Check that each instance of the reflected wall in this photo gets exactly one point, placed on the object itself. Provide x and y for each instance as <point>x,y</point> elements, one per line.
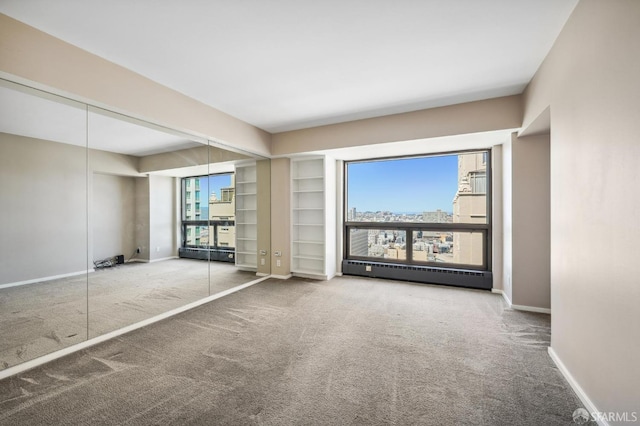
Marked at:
<point>43,223</point>
<point>91,222</point>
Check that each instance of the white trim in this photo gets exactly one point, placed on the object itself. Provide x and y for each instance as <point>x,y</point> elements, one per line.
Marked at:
<point>281,277</point>
<point>262,274</point>
<point>28,365</point>
<point>588,404</point>
<point>531,309</point>
<point>520,307</point>
<point>504,295</point>
<point>51,278</point>
<point>163,259</point>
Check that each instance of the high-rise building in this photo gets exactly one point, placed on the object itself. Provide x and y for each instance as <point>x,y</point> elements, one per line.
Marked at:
<point>224,209</point>
<point>470,206</point>
<point>359,242</point>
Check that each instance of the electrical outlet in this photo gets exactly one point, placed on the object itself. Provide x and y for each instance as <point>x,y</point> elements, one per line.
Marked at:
<point>157,249</point>
<point>278,263</point>
<point>262,261</point>
<point>367,268</point>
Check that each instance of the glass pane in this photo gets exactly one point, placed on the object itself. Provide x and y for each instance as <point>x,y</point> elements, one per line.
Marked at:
<point>43,225</point>
<point>437,189</point>
<point>378,243</point>
<point>460,248</point>
<point>135,178</point>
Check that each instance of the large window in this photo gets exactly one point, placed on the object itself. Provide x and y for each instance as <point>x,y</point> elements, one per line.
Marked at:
<point>430,210</point>
<point>208,212</point>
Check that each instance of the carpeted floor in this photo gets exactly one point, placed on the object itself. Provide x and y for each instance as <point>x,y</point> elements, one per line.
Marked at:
<point>351,351</point>
<point>40,318</point>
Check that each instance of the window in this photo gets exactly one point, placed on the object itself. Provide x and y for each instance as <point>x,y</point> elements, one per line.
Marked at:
<point>429,210</point>
<point>208,212</point>
<point>478,181</point>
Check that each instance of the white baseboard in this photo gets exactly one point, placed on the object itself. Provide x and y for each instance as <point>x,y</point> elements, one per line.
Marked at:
<point>588,404</point>
<point>28,365</point>
<point>163,259</point>
<point>531,309</point>
<point>520,307</point>
<point>44,279</point>
<point>280,277</point>
<point>262,274</point>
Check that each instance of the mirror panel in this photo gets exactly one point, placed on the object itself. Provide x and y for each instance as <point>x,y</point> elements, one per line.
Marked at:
<point>43,220</point>
<point>108,221</point>
<point>134,222</point>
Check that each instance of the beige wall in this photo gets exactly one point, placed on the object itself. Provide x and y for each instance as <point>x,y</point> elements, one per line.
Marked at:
<point>34,57</point>
<point>507,221</point>
<point>40,235</point>
<point>280,222</point>
<point>162,220</point>
<point>263,179</point>
<point>187,157</point>
<point>60,212</point>
<point>590,81</point>
<point>471,117</point>
<point>530,246</point>
<point>497,252</point>
<point>113,216</point>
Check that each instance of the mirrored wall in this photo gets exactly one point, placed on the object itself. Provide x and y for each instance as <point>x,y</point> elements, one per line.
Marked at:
<point>99,215</point>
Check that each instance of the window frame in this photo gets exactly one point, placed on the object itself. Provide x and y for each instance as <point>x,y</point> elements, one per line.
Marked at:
<point>208,223</point>
<point>409,227</point>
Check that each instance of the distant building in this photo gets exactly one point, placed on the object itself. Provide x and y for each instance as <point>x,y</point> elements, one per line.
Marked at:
<point>351,214</point>
<point>359,242</point>
<point>437,216</point>
<point>195,235</point>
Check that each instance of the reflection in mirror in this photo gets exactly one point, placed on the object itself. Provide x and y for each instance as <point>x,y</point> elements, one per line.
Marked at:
<point>43,220</point>
<point>161,209</point>
<point>108,221</point>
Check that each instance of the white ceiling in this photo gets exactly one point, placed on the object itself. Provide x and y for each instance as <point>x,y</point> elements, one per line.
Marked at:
<point>290,64</point>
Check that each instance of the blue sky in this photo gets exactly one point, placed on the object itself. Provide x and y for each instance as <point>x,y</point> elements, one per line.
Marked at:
<point>411,185</point>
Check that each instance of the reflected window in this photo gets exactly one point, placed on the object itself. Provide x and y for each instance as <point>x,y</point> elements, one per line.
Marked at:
<point>208,216</point>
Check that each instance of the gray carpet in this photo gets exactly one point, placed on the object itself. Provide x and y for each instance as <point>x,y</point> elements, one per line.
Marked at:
<point>349,351</point>
<point>41,318</point>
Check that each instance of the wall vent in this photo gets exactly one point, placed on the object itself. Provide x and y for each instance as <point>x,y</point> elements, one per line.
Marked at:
<point>422,274</point>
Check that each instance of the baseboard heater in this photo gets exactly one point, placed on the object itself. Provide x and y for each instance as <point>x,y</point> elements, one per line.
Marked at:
<point>220,255</point>
<point>422,274</point>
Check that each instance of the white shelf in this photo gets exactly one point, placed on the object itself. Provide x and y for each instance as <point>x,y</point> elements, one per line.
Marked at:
<point>308,177</point>
<point>307,257</point>
<point>246,231</point>
<point>312,216</point>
